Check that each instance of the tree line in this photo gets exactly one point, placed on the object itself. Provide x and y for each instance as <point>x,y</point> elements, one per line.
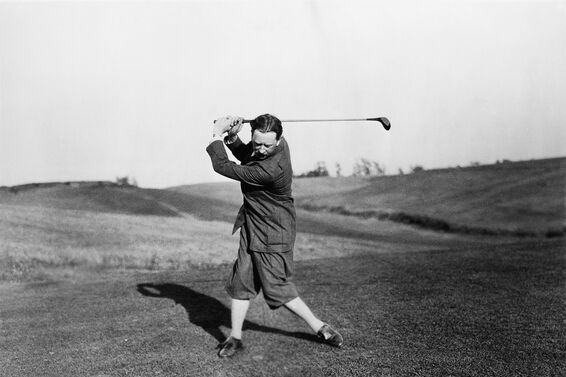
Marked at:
<point>362,168</point>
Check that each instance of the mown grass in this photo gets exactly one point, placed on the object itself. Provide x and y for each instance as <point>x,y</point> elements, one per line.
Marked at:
<point>488,311</point>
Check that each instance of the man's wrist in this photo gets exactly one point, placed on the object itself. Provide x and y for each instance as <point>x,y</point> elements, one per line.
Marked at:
<point>214,138</point>
<point>230,139</point>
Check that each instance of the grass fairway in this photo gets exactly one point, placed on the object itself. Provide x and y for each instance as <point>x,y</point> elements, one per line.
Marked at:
<point>483,311</point>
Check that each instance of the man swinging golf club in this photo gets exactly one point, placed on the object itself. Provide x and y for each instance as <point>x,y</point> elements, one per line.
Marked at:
<point>266,222</point>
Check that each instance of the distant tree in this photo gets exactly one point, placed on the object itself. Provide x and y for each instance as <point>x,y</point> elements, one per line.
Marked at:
<point>416,169</point>
<point>125,181</point>
<point>474,163</point>
<point>338,169</point>
<point>365,167</point>
<point>379,170</point>
<point>319,171</point>
<point>361,168</point>
<point>401,171</point>
<point>122,181</point>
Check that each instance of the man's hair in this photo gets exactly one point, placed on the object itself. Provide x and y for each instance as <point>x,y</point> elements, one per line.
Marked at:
<point>266,123</point>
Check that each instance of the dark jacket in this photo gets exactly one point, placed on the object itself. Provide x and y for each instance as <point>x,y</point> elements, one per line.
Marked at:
<point>268,210</point>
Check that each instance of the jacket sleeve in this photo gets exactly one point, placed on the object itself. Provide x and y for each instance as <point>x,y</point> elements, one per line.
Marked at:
<point>240,150</point>
<point>255,175</point>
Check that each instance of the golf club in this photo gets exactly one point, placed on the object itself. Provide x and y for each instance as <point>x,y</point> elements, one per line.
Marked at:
<point>383,120</point>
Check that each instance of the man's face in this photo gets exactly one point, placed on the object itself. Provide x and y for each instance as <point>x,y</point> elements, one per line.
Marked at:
<point>264,143</point>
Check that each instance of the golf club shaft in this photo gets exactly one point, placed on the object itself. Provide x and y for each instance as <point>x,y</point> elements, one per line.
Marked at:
<point>383,120</point>
<point>320,120</point>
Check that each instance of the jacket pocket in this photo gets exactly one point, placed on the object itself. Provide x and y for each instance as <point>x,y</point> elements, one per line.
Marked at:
<point>280,235</point>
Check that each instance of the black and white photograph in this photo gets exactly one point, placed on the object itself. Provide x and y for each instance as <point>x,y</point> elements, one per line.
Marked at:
<point>271,188</point>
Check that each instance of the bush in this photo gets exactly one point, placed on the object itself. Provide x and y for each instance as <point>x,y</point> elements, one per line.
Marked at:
<point>365,167</point>
<point>416,169</point>
<point>125,181</point>
<point>319,171</point>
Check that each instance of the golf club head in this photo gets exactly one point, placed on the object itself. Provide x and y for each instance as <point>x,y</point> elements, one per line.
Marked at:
<point>384,122</point>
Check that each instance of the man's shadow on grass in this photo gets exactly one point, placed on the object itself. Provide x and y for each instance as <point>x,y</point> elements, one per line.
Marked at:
<point>207,312</point>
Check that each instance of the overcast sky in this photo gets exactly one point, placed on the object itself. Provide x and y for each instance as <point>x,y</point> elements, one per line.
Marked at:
<point>96,90</point>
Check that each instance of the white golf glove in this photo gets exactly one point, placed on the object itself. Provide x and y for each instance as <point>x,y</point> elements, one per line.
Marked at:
<point>235,128</point>
<point>221,125</point>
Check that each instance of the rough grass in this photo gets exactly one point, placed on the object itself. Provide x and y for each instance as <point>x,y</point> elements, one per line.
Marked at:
<point>39,243</point>
<point>36,240</point>
<point>427,222</point>
<point>489,311</point>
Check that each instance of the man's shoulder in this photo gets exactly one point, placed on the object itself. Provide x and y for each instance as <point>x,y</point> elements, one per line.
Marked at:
<point>281,160</point>
<point>282,151</point>
<point>284,143</point>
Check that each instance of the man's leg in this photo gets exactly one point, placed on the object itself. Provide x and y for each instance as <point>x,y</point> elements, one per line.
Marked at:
<point>241,286</point>
<point>322,330</point>
<point>301,309</point>
<point>234,342</point>
<point>238,315</point>
<point>274,271</point>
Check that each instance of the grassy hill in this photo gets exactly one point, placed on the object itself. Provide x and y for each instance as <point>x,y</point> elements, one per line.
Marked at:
<point>518,198</point>
<point>523,195</point>
<point>112,198</point>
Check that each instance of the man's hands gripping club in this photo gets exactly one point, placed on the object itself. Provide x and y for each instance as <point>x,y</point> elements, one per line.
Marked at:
<point>229,124</point>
